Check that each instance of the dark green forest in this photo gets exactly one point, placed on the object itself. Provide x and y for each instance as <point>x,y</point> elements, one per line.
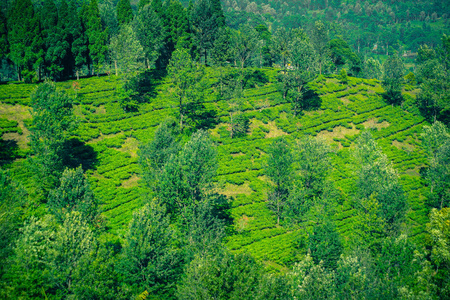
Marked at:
<point>167,149</point>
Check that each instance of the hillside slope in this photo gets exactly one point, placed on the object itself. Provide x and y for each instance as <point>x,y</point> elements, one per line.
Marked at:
<point>107,140</point>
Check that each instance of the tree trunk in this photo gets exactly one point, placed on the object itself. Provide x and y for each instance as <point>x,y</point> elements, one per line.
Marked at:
<point>115,66</point>
<point>78,74</point>
<point>148,63</point>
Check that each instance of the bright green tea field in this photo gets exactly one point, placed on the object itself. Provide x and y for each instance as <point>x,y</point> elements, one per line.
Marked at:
<point>107,143</point>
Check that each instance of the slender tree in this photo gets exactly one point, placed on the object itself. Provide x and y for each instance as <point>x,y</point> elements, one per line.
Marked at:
<point>52,122</point>
<point>186,76</point>
<point>124,12</point>
<point>24,38</point>
<point>279,170</point>
<point>150,31</point>
<point>96,35</point>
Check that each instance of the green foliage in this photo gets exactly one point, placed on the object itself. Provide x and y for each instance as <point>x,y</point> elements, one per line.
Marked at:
<point>150,32</point>
<point>436,140</point>
<point>186,76</point>
<point>154,155</point>
<point>279,170</point>
<point>149,258</point>
<point>24,37</point>
<point>124,12</point>
<point>52,122</point>
<point>73,194</point>
<point>126,51</point>
<point>325,244</point>
<point>393,71</point>
<point>186,178</point>
<point>220,276</point>
<point>376,176</point>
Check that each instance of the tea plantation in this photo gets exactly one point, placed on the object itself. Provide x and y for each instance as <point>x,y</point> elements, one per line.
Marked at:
<point>106,142</point>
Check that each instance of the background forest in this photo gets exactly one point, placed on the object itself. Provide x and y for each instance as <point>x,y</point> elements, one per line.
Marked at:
<point>224,150</point>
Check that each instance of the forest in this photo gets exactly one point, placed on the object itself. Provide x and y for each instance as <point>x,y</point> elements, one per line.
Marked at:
<point>208,149</point>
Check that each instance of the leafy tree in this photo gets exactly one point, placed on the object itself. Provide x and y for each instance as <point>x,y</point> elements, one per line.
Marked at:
<point>28,273</point>
<point>12,197</point>
<point>311,281</point>
<point>96,36</point>
<point>73,194</point>
<point>77,32</point>
<point>325,244</point>
<point>55,40</point>
<point>319,40</point>
<point>352,278</point>
<point>24,38</point>
<point>393,70</point>
<point>206,18</point>
<point>124,12</point>
<point>372,68</point>
<point>154,155</point>
<point>342,56</point>
<point>279,170</point>
<point>3,36</point>
<point>314,164</point>
<point>72,243</point>
<point>126,51</point>
<point>376,176</point>
<point>150,31</point>
<point>186,76</point>
<point>52,122</point>
<point>221,51</point>
<point>244,44</point>
<point>186,178</point>
<point>150,260</point>
<point>220,275</point>
<point>432,73</point>
<point>440,241</point>
<point>303,63</point>
<point>281,40</point>
<point>436,141</point>
<point>369,228</point>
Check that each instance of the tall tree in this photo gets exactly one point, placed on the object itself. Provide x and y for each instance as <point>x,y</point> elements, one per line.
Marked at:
<point>377,176</point>
<point>55,39</point>
<point>436,141</point>
<point>244,44</point>
<point>124,12</point>
<point>186,76</point>
<point>433,71</point>
<point>319,39</point>
<point>150,260</point>
<point>96,35</point>
<point>3,35</point>
<point>220,275</point>
<point>150,31</point>
<point>52,122</point>
<point>279,170</point>
<point>303,69</point>
<point>393,71</point>
<point>187,178</point>
<point>73,194</point>
<point>206,20</point>
<point>155,154</point>
<point>77,32</point>
<point>126,51</point>
<point>24,38</point>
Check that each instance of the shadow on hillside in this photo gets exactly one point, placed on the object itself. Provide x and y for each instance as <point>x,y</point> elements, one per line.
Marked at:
<point>311,100</point>
<point>200,118</point>
<point>80,154</point>
<point>8,151</point>
<point>146,82</point>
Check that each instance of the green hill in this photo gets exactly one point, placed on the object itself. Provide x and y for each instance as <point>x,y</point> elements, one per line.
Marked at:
<point>107,142</point>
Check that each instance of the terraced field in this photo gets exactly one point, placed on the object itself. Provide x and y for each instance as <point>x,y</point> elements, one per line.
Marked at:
<point>107,141</point>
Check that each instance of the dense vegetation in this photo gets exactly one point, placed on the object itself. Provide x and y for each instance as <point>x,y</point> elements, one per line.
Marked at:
<point>243,153</point>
